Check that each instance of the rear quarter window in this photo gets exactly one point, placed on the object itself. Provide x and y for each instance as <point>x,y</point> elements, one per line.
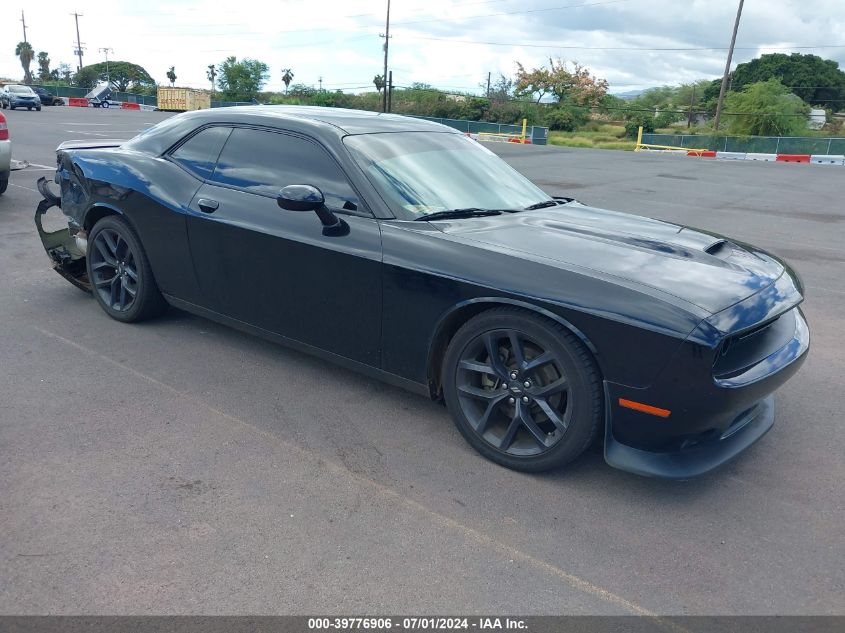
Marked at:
<point>199,153</point>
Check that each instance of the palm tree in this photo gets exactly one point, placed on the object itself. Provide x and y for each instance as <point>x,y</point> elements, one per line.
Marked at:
<point>287,77</point>
<point>24,51</point>
<point>378,81</point>
<point>171,75</point>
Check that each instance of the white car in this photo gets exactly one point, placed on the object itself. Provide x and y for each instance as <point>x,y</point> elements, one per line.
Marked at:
<point>5,154</point>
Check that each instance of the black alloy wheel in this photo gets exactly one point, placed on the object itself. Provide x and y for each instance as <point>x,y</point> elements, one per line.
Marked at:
<point>119,272</point>
<point>523,390</point>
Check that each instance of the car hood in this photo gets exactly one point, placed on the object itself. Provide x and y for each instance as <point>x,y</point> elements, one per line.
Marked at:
<point>704,269</point>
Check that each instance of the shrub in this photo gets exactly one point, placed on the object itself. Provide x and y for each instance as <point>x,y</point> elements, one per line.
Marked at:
<point>566,119</point>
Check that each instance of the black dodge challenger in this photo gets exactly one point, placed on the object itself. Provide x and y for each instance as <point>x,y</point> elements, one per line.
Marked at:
<point>403,249</point>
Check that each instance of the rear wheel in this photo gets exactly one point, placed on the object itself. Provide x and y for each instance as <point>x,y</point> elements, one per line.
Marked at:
<point>38,108</point>
<point>120,274</point>
<point>4,182</point>
<point>522,390</point>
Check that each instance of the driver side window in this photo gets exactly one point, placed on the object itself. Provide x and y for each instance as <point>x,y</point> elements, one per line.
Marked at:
<point>264,162</point>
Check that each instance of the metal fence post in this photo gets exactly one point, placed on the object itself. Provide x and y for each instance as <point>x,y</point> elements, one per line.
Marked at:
<point>829,141</point>
<point>777,145</point>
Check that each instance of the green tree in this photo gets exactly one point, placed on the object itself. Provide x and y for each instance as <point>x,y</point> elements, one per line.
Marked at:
<point>25,53</point>
<point>287,77</point>
<point>171,75</point>
<point>766,108</point>
<point>242,80</point>
<point>501,89</point>
<point>815,80</point>
<point>124,76</point>
<point>378,82</point>
<point>211,73</point>
<point>44,73</point>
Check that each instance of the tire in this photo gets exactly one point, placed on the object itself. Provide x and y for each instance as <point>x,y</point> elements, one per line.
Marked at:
<point>38,109</point>
<point>115,255</point>
<point>11,107</point>
<point>4,184</point>
<point>29,108</point>
<point>534,409</point>
<point>105,104</point>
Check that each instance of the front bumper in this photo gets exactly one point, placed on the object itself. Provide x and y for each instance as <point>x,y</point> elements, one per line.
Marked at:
<point>713,419</point>
<point>17,102</point>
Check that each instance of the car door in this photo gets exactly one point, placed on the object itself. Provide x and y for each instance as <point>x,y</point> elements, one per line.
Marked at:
<point>277,269</point>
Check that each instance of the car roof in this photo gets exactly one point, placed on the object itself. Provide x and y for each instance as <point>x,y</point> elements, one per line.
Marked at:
<point>315,120</point>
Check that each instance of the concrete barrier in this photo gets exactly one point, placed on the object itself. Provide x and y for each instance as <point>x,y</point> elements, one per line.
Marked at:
<point>764,157</point>
<point>79,102</point>
<point>828,159</point>
<point>130,106</point>
<point>793,158</point>
<point>731,155</point>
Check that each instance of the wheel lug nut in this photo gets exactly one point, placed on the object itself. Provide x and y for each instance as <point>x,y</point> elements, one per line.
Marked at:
<point>504,385</point>
<point>527,383</point>
<point>513,375</point>
<point>512,400</point>
<point>525,398</point>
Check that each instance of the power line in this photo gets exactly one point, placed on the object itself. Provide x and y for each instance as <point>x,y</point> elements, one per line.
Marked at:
<point>521,12</point>
<point>618,48</point>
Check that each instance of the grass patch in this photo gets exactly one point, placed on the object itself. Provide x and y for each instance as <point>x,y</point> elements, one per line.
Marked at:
<point>595,136</point>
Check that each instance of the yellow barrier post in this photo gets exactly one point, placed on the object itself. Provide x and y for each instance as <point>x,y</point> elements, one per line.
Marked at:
<point>524,128</point>
<point>639,139</point>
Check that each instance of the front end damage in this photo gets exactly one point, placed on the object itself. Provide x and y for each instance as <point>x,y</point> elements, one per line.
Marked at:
<point>66,248</point>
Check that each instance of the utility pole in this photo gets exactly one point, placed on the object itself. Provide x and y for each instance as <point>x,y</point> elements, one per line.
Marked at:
<point>488,85</point>
<point>386,37</point>
<point>727,69</point>
<point>23,21</point>
<point>389,89</point>
<point>691,104</point>
<point>108,74</point>
<point>321,83</point>
<point>78,51</point>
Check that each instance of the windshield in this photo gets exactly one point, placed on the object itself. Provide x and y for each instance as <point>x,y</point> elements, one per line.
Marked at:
<point>419,173</point>
<point>22,90</point>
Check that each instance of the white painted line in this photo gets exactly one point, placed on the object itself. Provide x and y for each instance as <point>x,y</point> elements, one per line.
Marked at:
<point>40,166</point>
<point>11,184</point>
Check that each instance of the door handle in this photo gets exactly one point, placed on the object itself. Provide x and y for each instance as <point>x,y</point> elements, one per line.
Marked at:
<point>209,206</point>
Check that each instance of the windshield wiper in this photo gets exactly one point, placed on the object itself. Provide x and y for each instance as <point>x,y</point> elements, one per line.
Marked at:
<point>470,212</point>
<point>542,205</point>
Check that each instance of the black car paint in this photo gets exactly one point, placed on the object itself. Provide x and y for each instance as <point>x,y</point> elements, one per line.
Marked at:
<point>646,297</point>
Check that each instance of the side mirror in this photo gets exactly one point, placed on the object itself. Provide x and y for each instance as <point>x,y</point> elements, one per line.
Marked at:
<point>309,198</point>
<point>300,198</point>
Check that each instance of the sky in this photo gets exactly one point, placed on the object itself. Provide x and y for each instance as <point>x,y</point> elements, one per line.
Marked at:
<point>449,44</point>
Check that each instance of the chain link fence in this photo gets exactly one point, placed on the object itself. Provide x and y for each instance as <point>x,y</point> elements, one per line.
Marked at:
<point>538,135</point>
<point>750,144</point>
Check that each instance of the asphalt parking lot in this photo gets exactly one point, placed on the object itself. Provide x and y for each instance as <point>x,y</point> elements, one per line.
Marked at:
<point>178,466</point>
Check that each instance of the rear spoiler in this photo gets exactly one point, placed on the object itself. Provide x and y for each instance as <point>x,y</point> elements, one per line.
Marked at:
<point>92,144</point>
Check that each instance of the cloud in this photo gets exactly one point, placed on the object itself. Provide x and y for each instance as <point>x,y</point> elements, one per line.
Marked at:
<point>339,41</point>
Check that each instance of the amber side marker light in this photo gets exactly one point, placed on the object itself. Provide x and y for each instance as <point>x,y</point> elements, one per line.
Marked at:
<point>645,408</point>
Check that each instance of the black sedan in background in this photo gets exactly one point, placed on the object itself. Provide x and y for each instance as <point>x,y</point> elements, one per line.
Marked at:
<point>47,97</point>
<point>408,251</point>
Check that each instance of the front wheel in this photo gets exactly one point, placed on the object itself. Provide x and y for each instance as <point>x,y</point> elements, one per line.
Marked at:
<point>523,390</point>
<point>105,104</point>
<point>38,109</point>
<point>120,274</point>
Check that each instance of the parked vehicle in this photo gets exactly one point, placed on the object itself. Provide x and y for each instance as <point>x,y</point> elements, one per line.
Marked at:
<point>182,99</point>
<point>403,249</point>
<point>47,97</point>
<point>5,154</point>
<point>100,97</point>
<point>14,96</point>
